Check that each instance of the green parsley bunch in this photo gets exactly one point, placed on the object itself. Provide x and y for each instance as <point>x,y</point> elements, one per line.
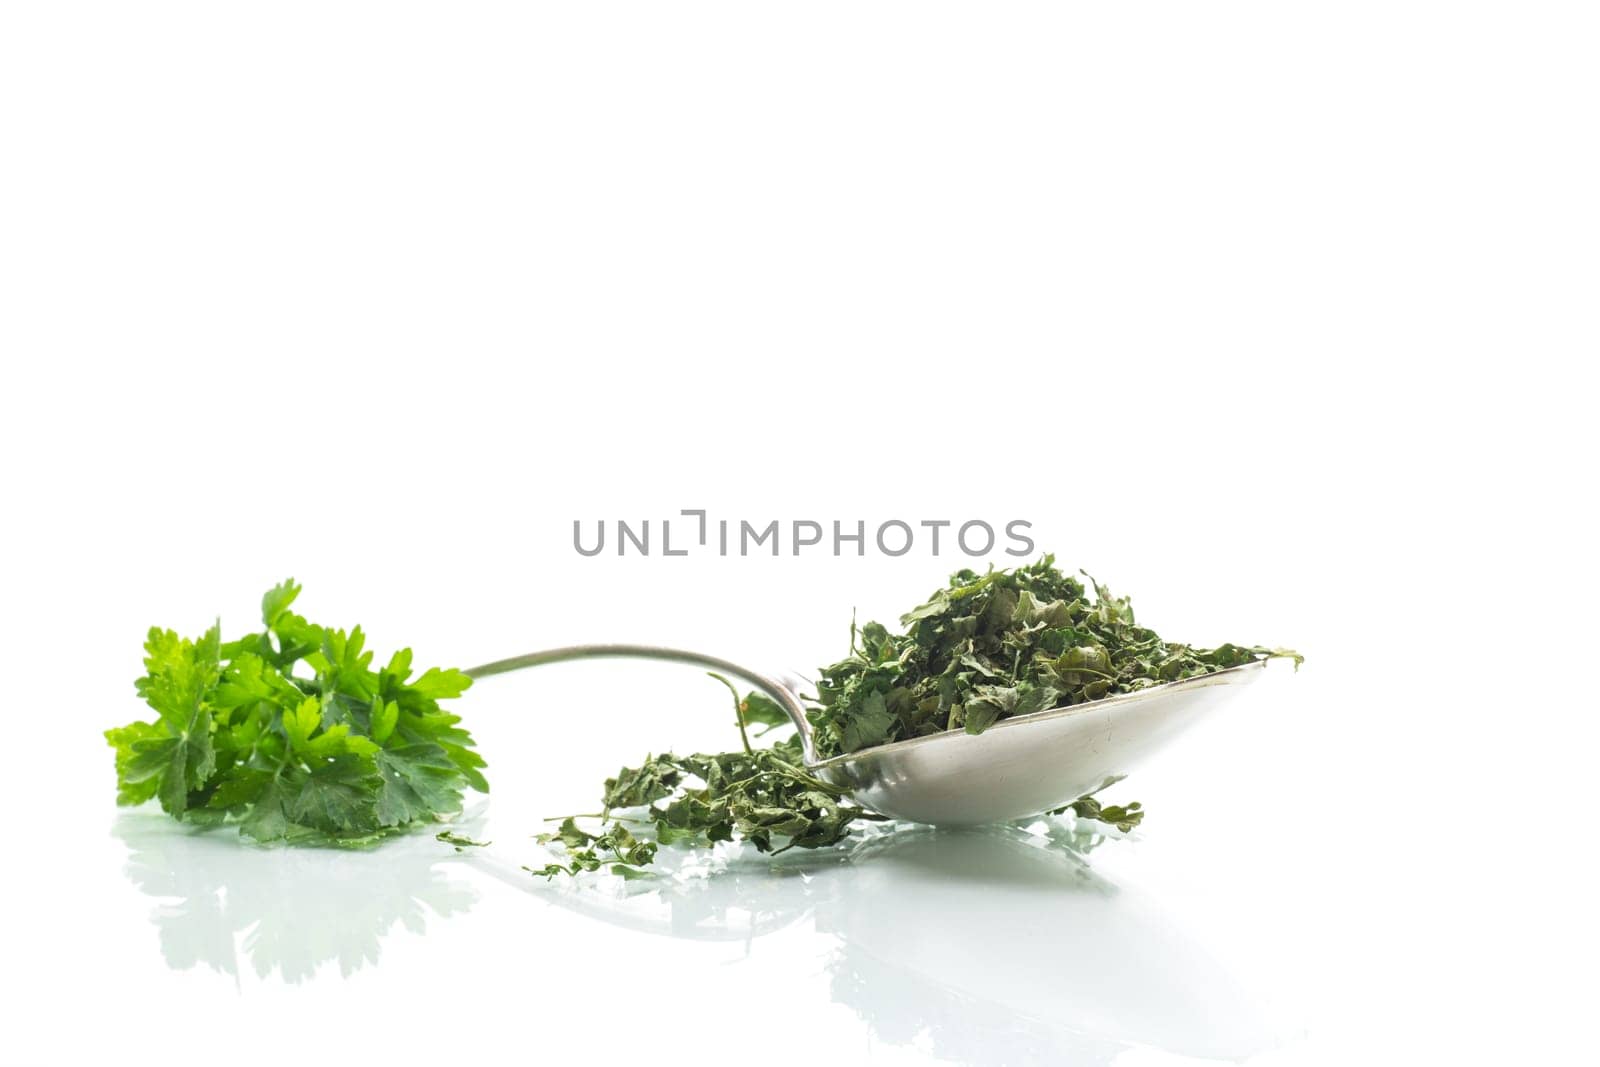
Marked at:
<point>292,734</point>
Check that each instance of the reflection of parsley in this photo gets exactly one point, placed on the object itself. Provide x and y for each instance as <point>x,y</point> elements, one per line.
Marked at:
<point>344,756</point>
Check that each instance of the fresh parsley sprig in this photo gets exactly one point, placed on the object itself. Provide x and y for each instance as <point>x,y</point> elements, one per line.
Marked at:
<point>292,734</point>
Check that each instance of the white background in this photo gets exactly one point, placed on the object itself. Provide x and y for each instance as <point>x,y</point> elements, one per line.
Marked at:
<point>1277,317</point>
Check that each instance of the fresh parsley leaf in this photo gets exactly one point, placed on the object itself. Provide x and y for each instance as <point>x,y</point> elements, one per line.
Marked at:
<point>419,782</point>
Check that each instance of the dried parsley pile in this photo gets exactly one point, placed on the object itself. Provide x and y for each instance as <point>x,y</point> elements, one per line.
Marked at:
<point>985,648</point>
<point>992,646</point>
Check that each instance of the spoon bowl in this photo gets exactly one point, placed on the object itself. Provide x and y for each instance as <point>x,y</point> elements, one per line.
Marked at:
<point>1027,764</point>
<point>1017,768</point>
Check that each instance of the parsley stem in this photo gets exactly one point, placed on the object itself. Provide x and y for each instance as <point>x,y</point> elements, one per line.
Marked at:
<point>738,712</point>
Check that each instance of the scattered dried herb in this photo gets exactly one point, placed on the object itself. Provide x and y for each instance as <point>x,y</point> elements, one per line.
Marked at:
<point>461,841</point>
<point>1123,816</point>
<point>346,755</point>
<point>761,795</point>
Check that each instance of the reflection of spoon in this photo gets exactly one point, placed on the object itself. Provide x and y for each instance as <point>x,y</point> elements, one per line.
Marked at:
<point>1017,768</point>
<point>297,908</point>
<point>987,945</point>
<point>1019,939</point>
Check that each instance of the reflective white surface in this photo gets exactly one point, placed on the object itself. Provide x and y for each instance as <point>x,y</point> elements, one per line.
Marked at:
<point>999,945</point>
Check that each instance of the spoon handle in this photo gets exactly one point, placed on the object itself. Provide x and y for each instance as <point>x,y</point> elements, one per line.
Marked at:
<point>771,687</point>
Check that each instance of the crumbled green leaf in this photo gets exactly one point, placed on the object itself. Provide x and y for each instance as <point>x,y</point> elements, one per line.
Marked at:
<point>291,734</point>
<point>460,841</point>
<point>760,795</point>
<point>614,848</point>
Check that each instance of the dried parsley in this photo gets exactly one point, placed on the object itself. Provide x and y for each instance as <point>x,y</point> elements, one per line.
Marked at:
<point>991,646</point>
<point>984,648</point>
<point>761,795</point>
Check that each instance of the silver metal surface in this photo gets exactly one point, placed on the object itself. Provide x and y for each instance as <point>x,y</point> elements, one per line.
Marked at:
<point>1017,768</point>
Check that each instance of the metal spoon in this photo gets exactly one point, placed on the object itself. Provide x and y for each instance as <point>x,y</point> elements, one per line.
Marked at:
<point>1019,767</point>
